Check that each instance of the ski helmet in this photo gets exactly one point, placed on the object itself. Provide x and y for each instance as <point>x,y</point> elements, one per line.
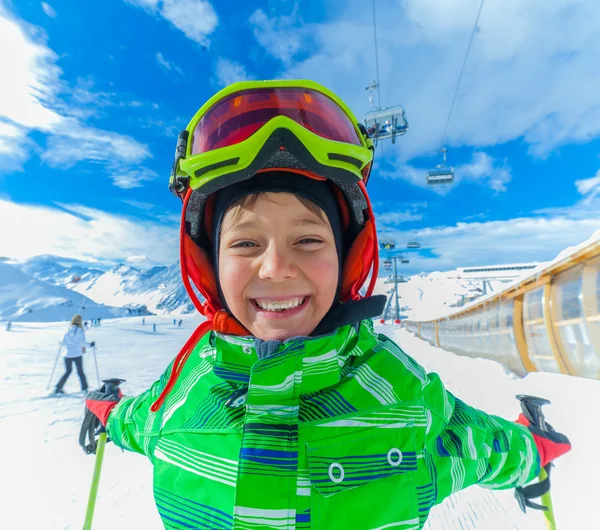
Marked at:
<point>252,128</point>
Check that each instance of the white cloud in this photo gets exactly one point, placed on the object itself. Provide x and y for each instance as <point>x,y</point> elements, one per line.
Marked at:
<point>30,102</point>
<point>74,143</point>
<point>34,78</point>
<point>229,72</point>
<point>132,178</point>
<point>589,187</point>
<point>195,18</point>
<point>83,233</point>
<point>390,219</point>
<point>139,204</point>
<point>532,71</point>
<point>137,259</point>
<point>524,239</point>
<point>49,10</point>
<point>280,36</point>
<point>163,62</point>
<point>166,65</point>
<point>14,147</point>
<point>483,169</point>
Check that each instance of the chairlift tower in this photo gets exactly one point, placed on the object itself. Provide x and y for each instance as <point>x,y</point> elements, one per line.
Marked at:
<point>393,302</point>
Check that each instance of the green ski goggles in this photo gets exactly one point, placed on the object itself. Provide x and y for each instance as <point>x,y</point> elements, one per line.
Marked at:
<point>238,132</point>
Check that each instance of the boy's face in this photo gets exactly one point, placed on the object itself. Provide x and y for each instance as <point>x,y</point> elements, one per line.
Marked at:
<point>278,266</point>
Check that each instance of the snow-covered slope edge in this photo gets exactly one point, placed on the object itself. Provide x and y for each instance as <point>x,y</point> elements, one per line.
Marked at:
<point>158,289</point>
<point>26,299</point>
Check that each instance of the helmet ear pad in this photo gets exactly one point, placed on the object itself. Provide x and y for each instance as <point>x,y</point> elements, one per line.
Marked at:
<point>198,266</point>
<point>358,262</point>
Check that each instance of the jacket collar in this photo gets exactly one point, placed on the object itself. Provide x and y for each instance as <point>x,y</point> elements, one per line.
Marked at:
<point>315,362</point>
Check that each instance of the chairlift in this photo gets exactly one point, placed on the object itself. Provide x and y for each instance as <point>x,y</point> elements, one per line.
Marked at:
<point>413,243</point>
<point>384,123</point>
<point>387,264</point>
<point>441,174</point>
<point>387,243</point>
<point>404,260</point>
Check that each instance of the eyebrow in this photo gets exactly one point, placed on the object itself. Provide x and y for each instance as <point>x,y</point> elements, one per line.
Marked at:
<point>296,222</point>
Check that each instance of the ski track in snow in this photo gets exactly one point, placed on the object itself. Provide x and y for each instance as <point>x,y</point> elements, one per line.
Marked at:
<point>46,475</point>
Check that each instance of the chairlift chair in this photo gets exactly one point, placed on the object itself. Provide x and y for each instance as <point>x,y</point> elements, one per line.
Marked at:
<point>385,123</point>
<point>441,174</point>
<point>387,264</point>
<point>387,243</point>
<point>412,242</point>
<point>404,260</point>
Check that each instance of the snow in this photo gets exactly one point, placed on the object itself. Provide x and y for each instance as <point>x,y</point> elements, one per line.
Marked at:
<point>448,291</point>
<point>49,475</point>
<point>159,289</point>
<point>23,298</point>
<point>428,294</point>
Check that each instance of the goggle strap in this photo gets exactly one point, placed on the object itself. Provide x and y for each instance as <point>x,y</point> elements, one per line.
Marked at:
<point>176,183</point>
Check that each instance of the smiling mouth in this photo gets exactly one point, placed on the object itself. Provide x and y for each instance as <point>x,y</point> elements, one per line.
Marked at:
<point>280,306</point>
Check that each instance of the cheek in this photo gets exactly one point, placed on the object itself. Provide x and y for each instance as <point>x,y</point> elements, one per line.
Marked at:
<point>323,272</point>
<point>233,277</point>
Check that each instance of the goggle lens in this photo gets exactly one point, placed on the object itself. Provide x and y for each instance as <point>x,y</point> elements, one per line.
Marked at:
<point>238,116</point>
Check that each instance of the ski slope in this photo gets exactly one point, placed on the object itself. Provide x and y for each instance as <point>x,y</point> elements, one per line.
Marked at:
<point>46,475</point>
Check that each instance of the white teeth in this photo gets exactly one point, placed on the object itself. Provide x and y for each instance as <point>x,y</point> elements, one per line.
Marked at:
<point>279,306</point>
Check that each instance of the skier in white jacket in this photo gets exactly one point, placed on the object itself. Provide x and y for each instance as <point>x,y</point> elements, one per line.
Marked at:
<point>74,345</point>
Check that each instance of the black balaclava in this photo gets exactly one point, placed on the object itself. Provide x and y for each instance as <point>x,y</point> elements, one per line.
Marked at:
<point>319,192</point>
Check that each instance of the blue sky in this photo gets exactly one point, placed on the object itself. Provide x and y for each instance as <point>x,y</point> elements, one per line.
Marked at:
<point>92,101</point>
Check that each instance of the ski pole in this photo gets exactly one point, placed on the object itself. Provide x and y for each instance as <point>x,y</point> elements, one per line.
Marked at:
<point>96,363</point>
<point>54,367</point>
<point>89,514</point>
<point>531,406</point>
<point>87,429</point>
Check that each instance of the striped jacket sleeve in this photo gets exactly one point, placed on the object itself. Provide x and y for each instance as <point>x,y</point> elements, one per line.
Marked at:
<point>465,446</point>
<point>132,426</point>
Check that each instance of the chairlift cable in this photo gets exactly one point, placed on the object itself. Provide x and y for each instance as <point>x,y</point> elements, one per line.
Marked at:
<point>376,56</point>
<point>462,70</point>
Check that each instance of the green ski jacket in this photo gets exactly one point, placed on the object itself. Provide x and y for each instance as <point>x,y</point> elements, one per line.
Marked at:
<point>341,431</point>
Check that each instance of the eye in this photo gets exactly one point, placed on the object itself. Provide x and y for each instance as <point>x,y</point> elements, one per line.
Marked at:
<point>244,244</point>
<point>309,241</point>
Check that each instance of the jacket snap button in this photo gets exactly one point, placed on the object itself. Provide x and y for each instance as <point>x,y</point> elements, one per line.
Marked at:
<point>247,349</point>
<point>394,457</point>
<point>340,470</point>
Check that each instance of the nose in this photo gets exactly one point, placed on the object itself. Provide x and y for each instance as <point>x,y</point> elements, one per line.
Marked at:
<point>277,264</point>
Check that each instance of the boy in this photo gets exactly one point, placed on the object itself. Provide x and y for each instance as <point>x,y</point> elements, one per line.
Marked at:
<point>285,409</point>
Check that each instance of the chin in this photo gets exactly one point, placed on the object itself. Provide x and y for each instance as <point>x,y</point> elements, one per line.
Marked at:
<point>278,334</point>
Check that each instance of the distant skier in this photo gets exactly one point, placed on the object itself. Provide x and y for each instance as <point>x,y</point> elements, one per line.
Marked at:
<point>8,326</point>
<point>179,323</point>
<point>174,322</point>
<point>74,344</point>
<point>143,321</point>
<point>85,324</point>
<point>153,327</point>
<point>99,320</point>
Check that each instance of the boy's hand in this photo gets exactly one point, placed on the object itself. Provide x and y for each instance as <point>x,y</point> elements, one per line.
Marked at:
<point>98,405</point>
<point>549,443</point>
<point>100,402</point>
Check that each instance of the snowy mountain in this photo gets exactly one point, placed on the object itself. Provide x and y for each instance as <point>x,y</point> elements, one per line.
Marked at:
<point>159,289</point>
<point>56,271</point>
<point>27,299</point>
<point>425,295</point>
